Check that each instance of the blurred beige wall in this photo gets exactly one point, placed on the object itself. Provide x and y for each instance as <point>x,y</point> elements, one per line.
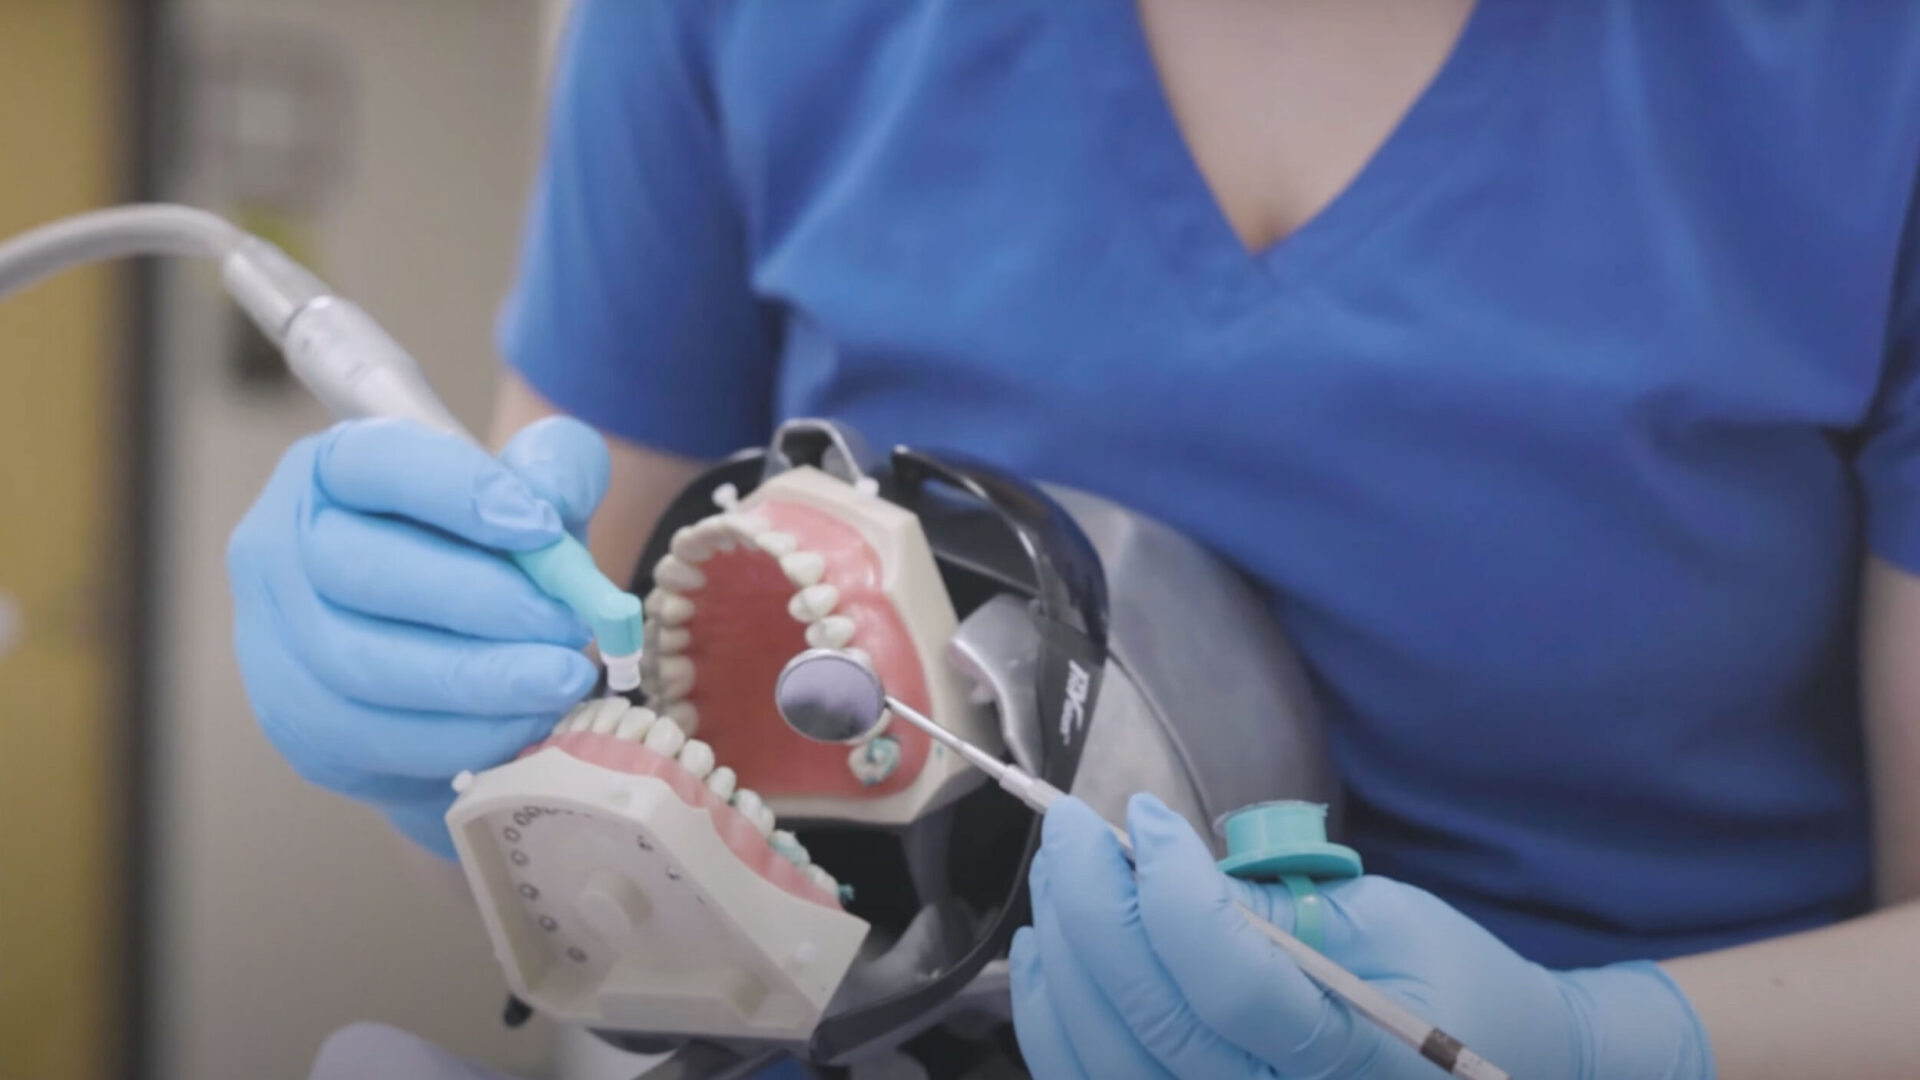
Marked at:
<point>288,912</point>
<point>59,561</point>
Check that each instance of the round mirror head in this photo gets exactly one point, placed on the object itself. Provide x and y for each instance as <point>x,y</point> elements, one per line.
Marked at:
<point>828,696</point>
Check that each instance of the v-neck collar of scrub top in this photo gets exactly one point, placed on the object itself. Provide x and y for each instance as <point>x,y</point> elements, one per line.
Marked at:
<point>1203,250</point>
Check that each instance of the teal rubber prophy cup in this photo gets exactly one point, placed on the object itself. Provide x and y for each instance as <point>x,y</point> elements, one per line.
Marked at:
<point>1286,841</point>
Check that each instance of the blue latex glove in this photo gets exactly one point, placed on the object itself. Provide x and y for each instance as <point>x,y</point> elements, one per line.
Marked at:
<point>384,643</point>
<point>1165,979</point>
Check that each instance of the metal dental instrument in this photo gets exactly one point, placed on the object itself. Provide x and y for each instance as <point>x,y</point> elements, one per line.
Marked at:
<point>337,351</point>
<point>831,696</point>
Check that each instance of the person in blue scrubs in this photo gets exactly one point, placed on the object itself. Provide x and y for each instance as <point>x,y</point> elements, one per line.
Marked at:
<point>1553,366</point>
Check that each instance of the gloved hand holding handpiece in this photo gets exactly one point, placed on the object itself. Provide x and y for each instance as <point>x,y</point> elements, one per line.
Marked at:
<point>385,642</point>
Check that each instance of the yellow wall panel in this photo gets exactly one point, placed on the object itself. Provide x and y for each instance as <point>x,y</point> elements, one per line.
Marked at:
<point>58,91</point>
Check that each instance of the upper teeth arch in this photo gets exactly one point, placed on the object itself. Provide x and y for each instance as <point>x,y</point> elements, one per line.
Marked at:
<point>670,676</point>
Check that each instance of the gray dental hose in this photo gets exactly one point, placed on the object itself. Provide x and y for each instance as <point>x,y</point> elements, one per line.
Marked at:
<point>337,351</point>
<point>832,696</point>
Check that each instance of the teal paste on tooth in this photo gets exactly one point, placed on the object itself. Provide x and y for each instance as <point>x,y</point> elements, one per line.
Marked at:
<point>876,760</point>
<point>790,849</point>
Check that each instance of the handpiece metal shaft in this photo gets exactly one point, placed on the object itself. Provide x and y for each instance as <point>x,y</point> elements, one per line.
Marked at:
<point>338,352</point>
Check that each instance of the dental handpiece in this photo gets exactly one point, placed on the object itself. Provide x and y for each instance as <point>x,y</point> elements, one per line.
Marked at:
<point>831,696</point>
<point>355,368</point>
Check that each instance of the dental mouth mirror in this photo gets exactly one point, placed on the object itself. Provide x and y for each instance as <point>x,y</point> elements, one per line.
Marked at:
<point>833,696</point>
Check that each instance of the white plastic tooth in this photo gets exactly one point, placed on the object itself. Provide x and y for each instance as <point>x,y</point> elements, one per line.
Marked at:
<point>831,632</point>
<point>566,722</point>
<point>697,758</point>
<point>754,809</point>
<point>669,607</point>
<point>819,876</point>
<point>748,524</point>
<point>804,568</point>
<point>813,602</point>
<point>721,782</point>
<point>649,673</point>
<point>777,543</point>
<point>683,714</point>
<point>678,574</point>
<point>874,760</point>
<point>583,719</point>
<point>763,820</point>
<point>670,639</point>
<point>860,654</point>
<point>675,609</point>
<point>606,715</point>
<point>676,677</point>
<point>713,535</point>
<point>726,496</point>
<point>665,737</point>
<point>690,545</point>
<point>633,726</point>
<point>790,847</point>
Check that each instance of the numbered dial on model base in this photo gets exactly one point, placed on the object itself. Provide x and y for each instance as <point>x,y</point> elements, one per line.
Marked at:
<point>625,899</point>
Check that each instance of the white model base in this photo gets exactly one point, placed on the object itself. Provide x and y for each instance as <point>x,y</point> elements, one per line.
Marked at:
<point>611,902</point>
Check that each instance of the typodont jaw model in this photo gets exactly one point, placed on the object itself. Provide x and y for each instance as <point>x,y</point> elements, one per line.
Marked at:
<point>683,868</point>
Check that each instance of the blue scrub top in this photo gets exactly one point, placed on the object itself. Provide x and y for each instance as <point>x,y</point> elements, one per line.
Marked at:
<point>1558,437</point>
